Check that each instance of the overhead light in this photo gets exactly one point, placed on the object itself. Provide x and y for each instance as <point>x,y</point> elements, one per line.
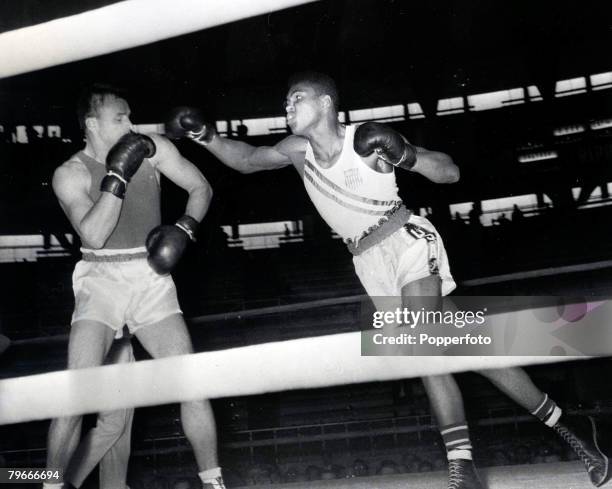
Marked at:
<point>601,124</point>
<point>539,156</point>
<point>567,130</point>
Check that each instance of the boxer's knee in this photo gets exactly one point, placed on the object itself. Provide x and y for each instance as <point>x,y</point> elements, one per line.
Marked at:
<point>65,425</point>
<point>430,286</point>
<point>113,422</point>
<point>167,337</point>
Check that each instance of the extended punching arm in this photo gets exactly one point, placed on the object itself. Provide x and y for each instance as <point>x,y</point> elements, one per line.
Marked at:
<point>188,122</point>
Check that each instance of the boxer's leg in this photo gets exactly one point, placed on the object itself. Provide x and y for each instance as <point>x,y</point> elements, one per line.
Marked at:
<point>88,345</point>
<point>581,433</point>
<point>516,384</point>
<point>114,464</point>
<point>109,442</point>
<point>170,337</point>
<point>444,395</point>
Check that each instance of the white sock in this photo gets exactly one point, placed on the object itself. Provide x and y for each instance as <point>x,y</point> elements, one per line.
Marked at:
<point>210,475</point>
<point>459,454</point>
<point>554,417</point>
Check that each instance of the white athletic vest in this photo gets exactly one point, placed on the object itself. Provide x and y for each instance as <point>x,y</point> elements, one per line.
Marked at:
<point>350,196</point>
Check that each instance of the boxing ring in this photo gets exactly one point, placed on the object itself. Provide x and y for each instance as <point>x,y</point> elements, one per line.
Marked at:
<point>303,363</point>
<point>255,369</point>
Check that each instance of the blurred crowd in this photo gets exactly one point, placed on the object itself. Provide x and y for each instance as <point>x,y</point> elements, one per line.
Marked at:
<point>516,452</point>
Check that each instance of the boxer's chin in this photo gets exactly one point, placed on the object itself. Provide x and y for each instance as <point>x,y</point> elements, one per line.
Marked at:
<point>293,127</point>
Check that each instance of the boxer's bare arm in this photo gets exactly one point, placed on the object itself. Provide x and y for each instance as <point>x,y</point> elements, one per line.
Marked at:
<point>182,172</point>
<point>245,158</point>
<point>93,221</point>
<point>436,166</point>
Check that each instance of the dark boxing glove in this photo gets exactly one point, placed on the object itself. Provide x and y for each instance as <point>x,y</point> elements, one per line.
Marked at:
<point>390,145</point>
<point>123,161</point>
<point>187,122</point>
<point>166,244</point>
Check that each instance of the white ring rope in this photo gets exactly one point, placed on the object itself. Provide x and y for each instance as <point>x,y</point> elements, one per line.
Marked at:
<point>304,363</point>
<point>119,26</point>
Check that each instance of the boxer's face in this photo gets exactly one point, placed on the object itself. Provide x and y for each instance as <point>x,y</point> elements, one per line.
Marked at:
<point>303,107</point>
<point>113,119</point>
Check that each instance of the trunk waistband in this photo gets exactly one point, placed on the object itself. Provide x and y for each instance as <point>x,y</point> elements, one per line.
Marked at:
<point>378,233</point>
<point>113,255</point>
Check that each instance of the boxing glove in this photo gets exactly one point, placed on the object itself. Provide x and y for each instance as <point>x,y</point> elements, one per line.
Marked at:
<point>390,145</point>
<point>187,122</point>
<point>123,161</point>
<point>166,244</point>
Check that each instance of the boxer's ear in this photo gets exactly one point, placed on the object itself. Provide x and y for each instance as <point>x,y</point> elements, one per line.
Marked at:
<point>91,123</point>
<point>326,101</point>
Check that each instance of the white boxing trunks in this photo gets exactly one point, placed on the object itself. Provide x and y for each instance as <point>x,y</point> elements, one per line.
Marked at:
<point>411,252</point>
<point>117,287</point>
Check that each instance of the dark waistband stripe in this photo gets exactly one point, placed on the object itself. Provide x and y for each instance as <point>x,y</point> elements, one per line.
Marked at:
<point>377,234</point>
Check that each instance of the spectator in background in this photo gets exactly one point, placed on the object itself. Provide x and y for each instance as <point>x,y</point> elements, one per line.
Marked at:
<point>503,220</point>
<point>517,214</point>
<point>522,455</point>
<point>360,468</point>
<point>242,131</point>
<point>411,463</point>
<point>313,473</point>
<point>474,216</point>
<point>185,483</point>
<point>388,467</point>
<point>438,462</point>
<point>500,457</point>
<point>292,474</point>
<point>457,219</point>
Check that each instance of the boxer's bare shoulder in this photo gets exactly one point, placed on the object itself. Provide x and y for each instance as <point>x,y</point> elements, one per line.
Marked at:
<point>69,174</point>
<point>71,183</point>
<point>294,148</point>
<point>165,151</point>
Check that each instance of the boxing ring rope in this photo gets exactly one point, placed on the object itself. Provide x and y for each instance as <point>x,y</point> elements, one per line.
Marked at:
<point>303,363</point>
<point>119,26</point>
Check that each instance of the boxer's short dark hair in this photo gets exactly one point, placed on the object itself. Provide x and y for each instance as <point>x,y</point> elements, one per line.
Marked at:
<point>92,97</point>
<point>322,84</point>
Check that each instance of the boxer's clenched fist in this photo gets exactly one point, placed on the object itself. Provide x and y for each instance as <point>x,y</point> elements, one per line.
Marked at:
<point>187,122</point>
